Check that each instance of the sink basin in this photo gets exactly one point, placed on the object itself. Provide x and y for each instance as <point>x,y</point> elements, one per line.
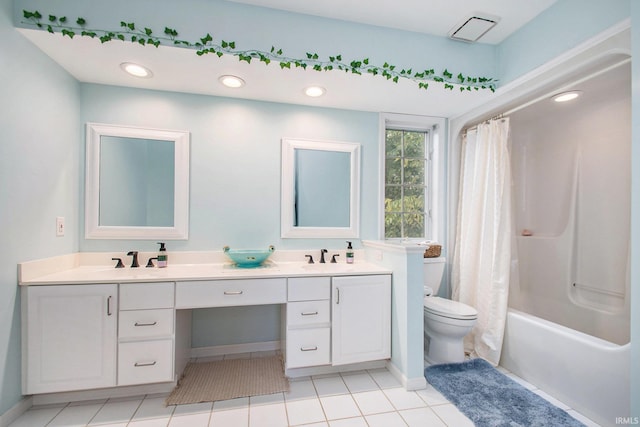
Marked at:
<point>248,258</point>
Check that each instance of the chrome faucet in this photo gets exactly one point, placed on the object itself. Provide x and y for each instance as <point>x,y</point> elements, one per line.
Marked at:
<point>134,262</point>
<point>322,252</point>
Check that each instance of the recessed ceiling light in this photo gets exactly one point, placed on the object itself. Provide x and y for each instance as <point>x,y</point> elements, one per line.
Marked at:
<point>136,70</point>
<point>314,91</point>
<point>566,96</point>
<point>231,81</point>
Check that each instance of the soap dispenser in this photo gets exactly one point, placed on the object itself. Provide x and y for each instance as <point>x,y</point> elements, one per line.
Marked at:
<point>162,256</point>
<point>349,254</point>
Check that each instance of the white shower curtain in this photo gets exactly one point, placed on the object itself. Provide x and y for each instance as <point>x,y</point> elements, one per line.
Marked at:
<point>482,255</point>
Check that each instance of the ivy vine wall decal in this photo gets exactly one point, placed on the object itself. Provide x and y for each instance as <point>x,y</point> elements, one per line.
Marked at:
<point>129,31</point>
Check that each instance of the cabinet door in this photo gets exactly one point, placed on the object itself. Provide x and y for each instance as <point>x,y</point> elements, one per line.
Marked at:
<point>70,340</point>
<point>361,319</point>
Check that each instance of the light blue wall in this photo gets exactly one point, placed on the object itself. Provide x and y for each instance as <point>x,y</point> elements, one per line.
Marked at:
<point>561,27</point>
<point>39,177</point>
<point>235,161</point>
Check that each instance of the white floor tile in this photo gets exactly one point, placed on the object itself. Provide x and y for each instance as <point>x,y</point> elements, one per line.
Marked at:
<point>116,411</point>
<point>421,417</point>
<point>36,417</point>
<point>372,402</point>
<point>349,422</point>
<point>341,406</point>
<point>431,396</point>
<point>584,420</point>
<point>76,415</point>
<point>191,420</point>
<point>304,411</point>
<point>384,379</point>
<point>389,419</point>
<point>522,382</point>
<point>151,408</point>
<point>300,390</point>
<point>551,399</point>
<point>194,408</point>
<point>273,415</point>
<point>452,416</point>
<point>223,405</point>
<point>359,382</point>
<point>238,417</point>
<point>403,399</point>
<point>150,422</point>
<point>330,386</point>
<point>266,399</point>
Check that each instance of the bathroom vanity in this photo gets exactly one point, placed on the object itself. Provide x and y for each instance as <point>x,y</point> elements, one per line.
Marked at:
<point>93,326</point>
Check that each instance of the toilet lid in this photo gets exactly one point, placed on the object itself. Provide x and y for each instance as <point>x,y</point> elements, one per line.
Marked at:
<point>448,308</point>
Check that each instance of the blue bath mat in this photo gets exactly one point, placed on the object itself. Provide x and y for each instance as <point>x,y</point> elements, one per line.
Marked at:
<point>491,399</point>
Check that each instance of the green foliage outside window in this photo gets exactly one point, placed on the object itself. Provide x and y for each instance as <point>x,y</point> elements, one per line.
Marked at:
<point>405,184</point>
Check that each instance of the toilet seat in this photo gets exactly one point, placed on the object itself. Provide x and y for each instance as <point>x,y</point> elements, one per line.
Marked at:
<point>448,308</point>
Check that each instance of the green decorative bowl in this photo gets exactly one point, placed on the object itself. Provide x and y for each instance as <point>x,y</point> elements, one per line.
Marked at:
<point>248,258</point>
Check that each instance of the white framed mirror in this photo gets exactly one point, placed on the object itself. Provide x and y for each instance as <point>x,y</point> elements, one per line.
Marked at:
<point>320,189</point>
<point>137,183</point>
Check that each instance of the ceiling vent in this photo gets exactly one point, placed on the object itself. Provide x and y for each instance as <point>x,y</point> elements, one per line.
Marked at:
<point>472,28</point>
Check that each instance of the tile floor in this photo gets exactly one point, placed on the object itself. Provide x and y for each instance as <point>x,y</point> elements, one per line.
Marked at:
<point>353,399</point>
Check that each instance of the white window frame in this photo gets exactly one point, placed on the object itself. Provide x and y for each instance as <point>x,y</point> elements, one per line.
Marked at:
<point>435,127</point>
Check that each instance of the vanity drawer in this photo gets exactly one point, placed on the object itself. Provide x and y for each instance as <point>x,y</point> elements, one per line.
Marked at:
<point>306,313</point>
<point>308,347</point>
<point>309,288</point>
<point>134,296</point>
<point>222,293</point>
<point>145,323</point>
<point>145,362</point>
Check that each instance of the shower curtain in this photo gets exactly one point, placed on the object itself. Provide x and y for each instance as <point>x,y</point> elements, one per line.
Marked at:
<point>482,254</point>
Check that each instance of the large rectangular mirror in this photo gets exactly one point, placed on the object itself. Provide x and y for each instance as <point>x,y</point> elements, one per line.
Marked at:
<point>320,189</point>
<point>137,183</point>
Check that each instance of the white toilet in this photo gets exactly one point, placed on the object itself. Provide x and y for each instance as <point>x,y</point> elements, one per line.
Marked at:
<point>446,322</point>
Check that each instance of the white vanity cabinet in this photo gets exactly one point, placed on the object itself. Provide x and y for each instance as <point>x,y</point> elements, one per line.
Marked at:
<point>69,337</point>
<point>146,333</point>
<point>308,320</point>
<point>361,318</point>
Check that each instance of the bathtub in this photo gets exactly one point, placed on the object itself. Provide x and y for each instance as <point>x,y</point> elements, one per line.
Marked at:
<point>587,373</point>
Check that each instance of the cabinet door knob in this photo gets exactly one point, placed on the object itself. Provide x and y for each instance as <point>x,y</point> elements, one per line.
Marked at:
<point>109,313</point>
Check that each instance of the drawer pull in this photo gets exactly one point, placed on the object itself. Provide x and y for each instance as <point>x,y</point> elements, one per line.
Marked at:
<point>233,292</point>
<point>109,313</point>
<point>145,324</point>
<point>140,364</point>
<point>309,313</point>
<point>309,348</point>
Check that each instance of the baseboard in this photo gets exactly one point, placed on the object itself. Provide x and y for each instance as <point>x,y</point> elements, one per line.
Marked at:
<point>410,384</point>
<point>329,369</point>
<point>15,411</point>
<point>219,350</point>
<point>103,393</point>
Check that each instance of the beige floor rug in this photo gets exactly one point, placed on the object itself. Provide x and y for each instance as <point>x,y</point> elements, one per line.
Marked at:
<point>228,379</point>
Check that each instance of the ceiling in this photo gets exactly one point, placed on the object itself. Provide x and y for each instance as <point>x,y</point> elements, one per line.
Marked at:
<point>180,70</point>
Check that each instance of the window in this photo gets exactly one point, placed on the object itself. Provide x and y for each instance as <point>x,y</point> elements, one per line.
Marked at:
<point>410,151</point>
<point>406,201</point>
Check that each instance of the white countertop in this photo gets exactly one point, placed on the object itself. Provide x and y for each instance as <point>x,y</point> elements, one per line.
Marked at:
<point>70,269</point>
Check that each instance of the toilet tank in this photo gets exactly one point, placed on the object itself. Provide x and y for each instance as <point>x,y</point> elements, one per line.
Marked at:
<point>433,272</point>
